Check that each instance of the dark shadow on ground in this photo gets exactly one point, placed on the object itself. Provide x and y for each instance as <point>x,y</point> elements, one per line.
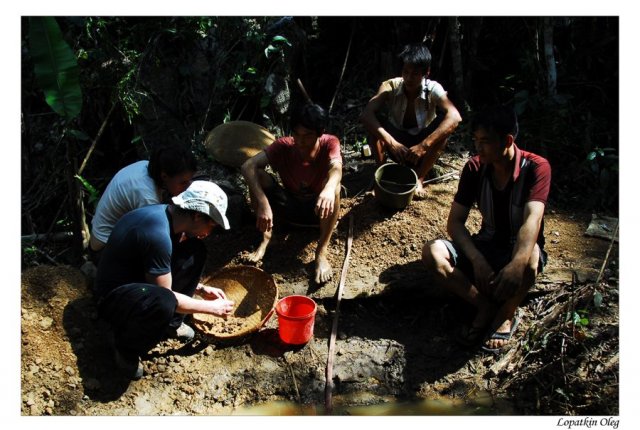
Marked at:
<point>416,314</point>
<point>88,338</point>
<point>267,342</point>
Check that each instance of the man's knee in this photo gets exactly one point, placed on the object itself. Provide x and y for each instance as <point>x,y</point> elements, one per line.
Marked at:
<point>435,257</point>
<point>165,303</point>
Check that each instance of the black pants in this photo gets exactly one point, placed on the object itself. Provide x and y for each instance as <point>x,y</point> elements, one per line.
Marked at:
<point>140,313</point>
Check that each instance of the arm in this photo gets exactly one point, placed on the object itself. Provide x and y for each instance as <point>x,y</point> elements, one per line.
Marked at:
<point>250,170</point>
<point>326,199</point>
<point>461,236</point>
<point>448,125</point>
<point>189,305</point>
<point>509,279</point>
<point>373,126</point>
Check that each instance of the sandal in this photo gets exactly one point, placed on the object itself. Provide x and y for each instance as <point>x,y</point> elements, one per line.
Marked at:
<point>506,336</point>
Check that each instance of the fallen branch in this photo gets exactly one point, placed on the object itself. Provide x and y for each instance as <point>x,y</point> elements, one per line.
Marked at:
<point>514,356</point>
<point>328,388</point>
<point>295,384</point>
<point>440,178</point>
<point>57,237</point>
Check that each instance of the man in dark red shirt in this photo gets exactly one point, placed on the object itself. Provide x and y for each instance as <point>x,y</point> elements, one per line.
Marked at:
<point>309,164</point>
<point>494,269</point>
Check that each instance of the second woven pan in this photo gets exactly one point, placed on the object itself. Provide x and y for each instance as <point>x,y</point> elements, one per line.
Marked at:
<point>255,294</point>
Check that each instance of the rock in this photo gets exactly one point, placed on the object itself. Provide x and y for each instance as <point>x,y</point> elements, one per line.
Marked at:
<point>69,370</point>
<point>46,323</point>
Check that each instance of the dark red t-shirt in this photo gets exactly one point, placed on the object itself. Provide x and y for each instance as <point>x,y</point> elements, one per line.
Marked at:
<point>298,176</point>
<point>535,188</point>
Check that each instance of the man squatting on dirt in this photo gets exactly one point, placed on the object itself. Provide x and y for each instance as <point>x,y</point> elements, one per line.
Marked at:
<point>150,268</point>
<point>401,118</point>
<point>309,164</point>
<point>494,269</point>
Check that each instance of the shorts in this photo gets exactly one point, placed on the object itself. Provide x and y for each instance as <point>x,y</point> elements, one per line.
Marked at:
<point>404,137</point>
<point>291,207</point>
<point>497,255</point>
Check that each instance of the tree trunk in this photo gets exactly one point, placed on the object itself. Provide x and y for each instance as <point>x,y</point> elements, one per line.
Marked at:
<point>456,60</point>
<point>549,58</point>
<point>475,25</point>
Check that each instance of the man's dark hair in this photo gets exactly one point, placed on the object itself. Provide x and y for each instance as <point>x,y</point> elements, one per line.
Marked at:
<point>417,56</point>
<point>501,120</point>
<point>172,160</point>
<point>311,116</point>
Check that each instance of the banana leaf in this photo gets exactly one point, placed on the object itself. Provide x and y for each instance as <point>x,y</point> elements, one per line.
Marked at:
<point>55,65</point>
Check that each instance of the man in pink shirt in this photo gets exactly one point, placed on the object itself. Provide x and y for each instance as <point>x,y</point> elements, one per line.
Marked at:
<point>309,164</point>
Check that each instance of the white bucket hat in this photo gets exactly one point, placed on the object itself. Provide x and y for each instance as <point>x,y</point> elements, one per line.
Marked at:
<point>207,198</point>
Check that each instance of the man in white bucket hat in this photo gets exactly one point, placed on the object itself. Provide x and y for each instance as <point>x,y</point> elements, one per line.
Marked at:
<point>150,269</point>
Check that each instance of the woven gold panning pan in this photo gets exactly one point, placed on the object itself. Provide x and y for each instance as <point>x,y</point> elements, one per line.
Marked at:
<point>255,294</point>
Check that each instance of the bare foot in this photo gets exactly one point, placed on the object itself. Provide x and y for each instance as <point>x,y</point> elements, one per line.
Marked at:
<point>255,256</point>
<point>421,192</point>
<point>323,269</point>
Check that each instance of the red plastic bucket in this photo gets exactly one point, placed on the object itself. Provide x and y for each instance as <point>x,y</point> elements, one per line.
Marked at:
<point>296,315</point>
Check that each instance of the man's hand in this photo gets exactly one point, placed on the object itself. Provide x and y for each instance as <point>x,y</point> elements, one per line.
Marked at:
<point>210,293</point>
<point>264,217</point>
<point>325,203</point>
<point>398,151</point>
<point>507,282</point>
<point>220,307</point>
<point>483,273</point>
<point>415,153</point>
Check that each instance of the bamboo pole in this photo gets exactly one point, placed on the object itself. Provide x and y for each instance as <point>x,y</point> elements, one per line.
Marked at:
<point>328,388</point>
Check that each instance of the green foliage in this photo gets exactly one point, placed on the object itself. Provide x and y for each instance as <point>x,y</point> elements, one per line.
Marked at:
<point>94,195</point>
<point>580,318</point>
<point>130,96</point>
<point>56,68</point>
<point>276,46</point>
<point>30,250</point>
<point>358,144</point>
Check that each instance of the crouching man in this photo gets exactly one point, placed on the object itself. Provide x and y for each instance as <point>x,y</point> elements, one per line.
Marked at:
<point>150,269</point>
<point>494,269</point>
<point>309,164</point>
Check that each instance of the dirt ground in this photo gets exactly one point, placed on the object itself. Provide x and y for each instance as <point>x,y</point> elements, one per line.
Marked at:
<point>395,352</point>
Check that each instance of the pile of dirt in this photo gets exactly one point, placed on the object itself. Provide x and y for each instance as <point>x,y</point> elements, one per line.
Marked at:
<point>394,338</point>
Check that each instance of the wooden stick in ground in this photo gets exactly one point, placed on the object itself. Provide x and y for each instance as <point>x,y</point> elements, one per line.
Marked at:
<point>304,92</point>
<point>93,144</point>
<point>344,66</point>
<point>328,388</point>
<point>606,258</point>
